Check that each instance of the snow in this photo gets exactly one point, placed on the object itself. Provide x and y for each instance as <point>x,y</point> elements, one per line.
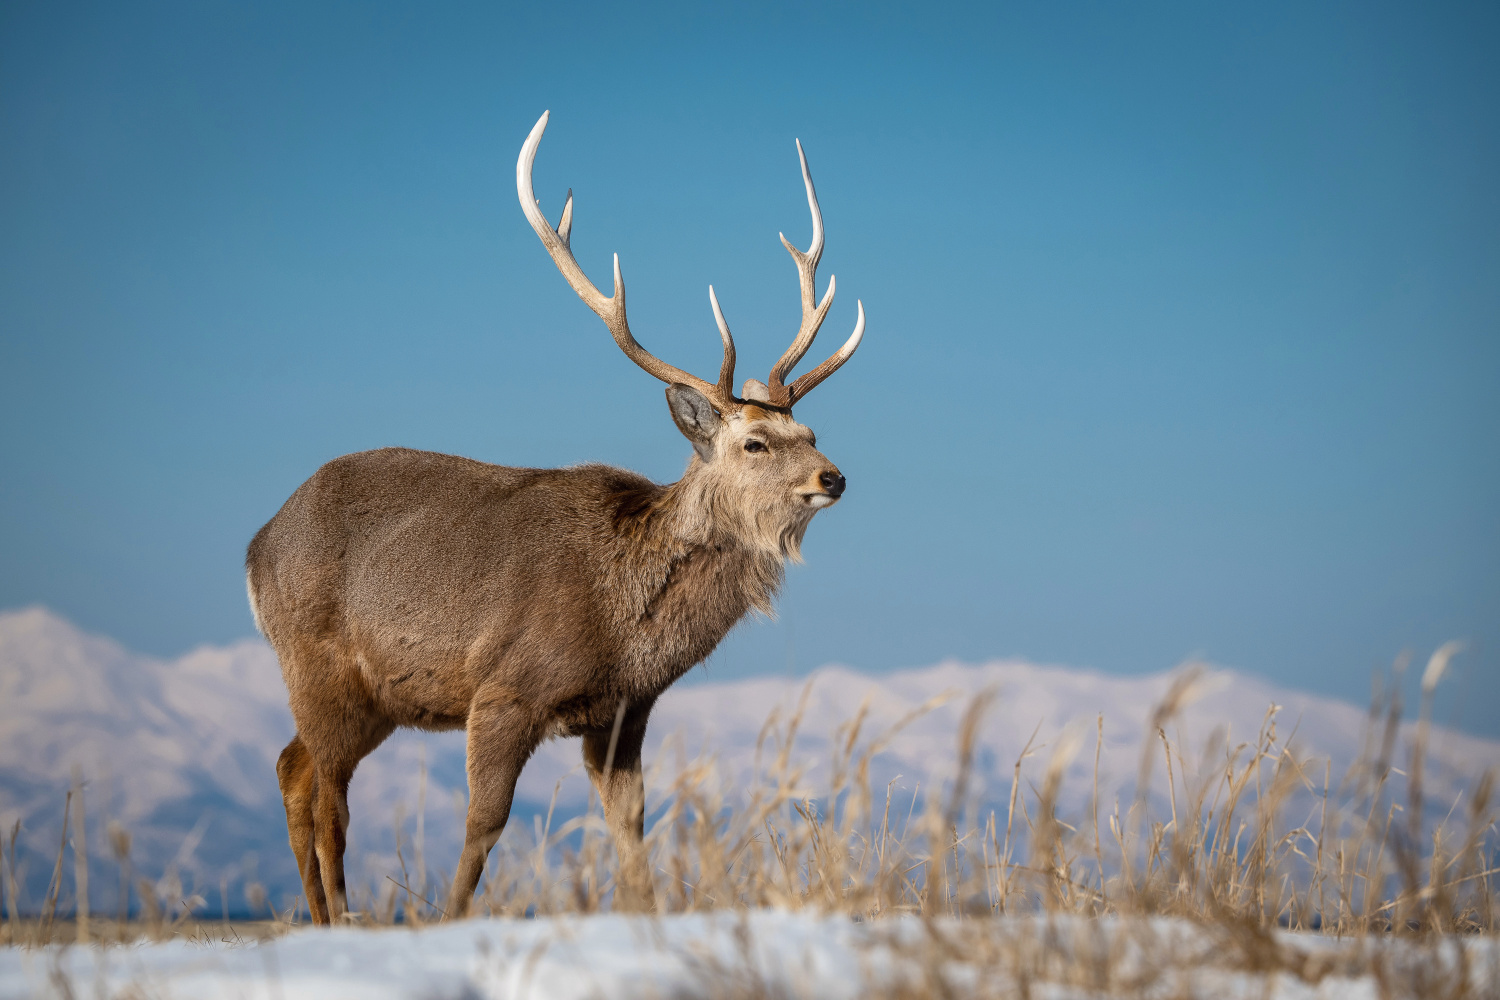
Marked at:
<point>759,953</point>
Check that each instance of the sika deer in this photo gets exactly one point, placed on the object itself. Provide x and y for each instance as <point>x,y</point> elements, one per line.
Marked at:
<point>407,588</point>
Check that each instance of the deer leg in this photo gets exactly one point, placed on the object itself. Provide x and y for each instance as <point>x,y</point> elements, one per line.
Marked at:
<point>298,779</point>
<point>501,735</point>
<point>337,725</point>
<point>330,829</point>
<point>623,793</point>
<point>331,807</point>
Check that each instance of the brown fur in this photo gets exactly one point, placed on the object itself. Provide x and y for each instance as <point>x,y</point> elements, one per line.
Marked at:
<point>407,588</point>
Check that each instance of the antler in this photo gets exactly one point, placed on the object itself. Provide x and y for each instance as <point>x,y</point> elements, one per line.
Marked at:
<point>813,311</point>
<point>612,309</point>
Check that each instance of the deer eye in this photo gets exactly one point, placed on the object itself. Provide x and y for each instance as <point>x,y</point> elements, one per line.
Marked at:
<point>754,445</point>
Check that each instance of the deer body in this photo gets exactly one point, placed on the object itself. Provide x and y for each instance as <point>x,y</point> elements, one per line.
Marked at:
<point>576,588</point>
<point>408,588</point>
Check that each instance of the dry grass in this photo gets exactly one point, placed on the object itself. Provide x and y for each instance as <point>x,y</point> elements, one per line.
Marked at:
<point>1222,856</point>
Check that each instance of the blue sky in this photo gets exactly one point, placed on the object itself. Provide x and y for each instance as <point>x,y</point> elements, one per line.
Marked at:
<point>1184,323</point>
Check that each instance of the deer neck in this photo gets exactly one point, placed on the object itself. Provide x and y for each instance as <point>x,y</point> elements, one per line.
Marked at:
<point>701,519</point>
<point>691,573</point>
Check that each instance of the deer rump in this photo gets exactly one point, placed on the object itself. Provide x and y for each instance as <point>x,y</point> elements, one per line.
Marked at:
<point>407,588</point>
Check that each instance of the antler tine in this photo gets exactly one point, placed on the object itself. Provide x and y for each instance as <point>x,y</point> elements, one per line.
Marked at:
<point>813,311</point>
<point>815,248</point>
<point>726,369</point>
<point>612,309</point>
<point>565,226</point>
<point>805,384</point>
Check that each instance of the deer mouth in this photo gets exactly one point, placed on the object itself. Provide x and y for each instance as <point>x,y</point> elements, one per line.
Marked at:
<point>819,500</point>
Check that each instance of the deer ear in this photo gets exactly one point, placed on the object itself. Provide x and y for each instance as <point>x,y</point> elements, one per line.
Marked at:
<point>695,417</point>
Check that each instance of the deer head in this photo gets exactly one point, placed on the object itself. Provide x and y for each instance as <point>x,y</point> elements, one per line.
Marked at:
<point>758,472</point>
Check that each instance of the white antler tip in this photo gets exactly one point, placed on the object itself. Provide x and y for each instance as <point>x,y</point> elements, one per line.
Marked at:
<point>815,248</point>
<point>713,301</point>
<point>858,334</point>
<point>523,176</point>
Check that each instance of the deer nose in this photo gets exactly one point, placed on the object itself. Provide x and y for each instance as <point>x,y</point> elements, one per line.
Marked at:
<point>833,483</point>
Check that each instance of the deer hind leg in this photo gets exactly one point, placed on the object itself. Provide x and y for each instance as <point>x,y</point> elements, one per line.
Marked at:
<point>335,761</point>
<point>501,734</point>
<point>330,832</point>
<point>337,725</point>
<point>623,793</point>
<point>298,779</point>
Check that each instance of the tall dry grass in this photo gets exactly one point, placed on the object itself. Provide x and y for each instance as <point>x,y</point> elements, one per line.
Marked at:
<point>1222,853</point>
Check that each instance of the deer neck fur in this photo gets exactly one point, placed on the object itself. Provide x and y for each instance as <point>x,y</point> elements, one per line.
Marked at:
<point>693,557</point>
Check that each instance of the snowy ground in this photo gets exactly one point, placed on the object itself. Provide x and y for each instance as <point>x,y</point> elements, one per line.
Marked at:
<point>767,953</point>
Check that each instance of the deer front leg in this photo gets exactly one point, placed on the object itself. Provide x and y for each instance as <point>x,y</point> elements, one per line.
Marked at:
<point>502,735</point>
<point>623,793</point>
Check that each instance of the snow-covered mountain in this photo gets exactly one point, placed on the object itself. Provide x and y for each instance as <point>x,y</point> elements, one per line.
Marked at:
<point>182,752</point>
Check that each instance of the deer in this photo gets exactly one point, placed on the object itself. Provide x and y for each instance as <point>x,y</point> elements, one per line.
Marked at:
<point>405,588</point>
